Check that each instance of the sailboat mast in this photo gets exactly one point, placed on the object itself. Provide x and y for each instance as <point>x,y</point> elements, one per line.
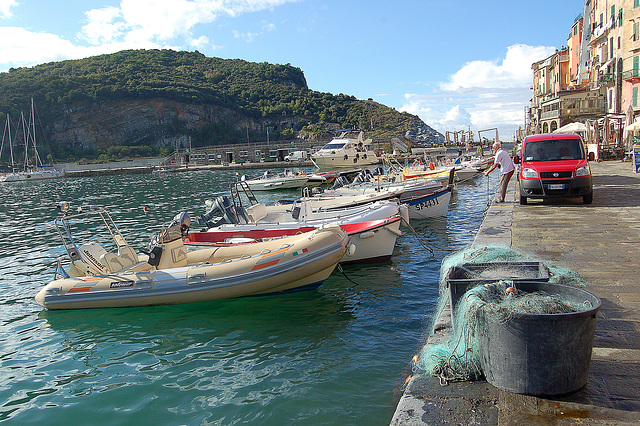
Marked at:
<point>8,130</point>
<point>36,157</point>
<point>26,142</point>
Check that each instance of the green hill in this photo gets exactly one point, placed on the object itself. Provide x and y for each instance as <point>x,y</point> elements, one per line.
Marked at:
<point>149,101</point>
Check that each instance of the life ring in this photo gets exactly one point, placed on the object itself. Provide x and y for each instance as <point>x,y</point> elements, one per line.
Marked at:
<point>448,161</point>
<point>432,166</point>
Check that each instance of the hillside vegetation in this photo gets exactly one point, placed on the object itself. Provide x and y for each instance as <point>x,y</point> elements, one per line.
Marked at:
<point>209,100</point>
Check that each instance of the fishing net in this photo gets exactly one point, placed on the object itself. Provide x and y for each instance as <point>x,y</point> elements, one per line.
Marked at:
<point>455,355</point>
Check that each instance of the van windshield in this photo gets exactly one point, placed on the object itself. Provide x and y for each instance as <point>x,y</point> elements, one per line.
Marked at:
<point>554,150</point>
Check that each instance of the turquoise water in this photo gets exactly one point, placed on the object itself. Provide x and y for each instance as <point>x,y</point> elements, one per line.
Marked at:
<point>335,355</point>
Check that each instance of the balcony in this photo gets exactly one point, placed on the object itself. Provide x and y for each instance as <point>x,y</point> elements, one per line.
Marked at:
<point>631,76</point>
<point>606,80</point>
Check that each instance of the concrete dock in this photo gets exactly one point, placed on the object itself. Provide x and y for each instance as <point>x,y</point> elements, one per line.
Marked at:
<point>601,242</point>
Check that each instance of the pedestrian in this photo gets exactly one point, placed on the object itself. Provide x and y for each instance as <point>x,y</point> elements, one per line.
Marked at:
<point>502,160</point>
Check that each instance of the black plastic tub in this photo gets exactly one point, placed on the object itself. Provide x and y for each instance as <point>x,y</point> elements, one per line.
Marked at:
<point>540,354</point>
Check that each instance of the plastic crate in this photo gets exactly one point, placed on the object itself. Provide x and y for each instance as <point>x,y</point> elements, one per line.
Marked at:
<point>461,278</point>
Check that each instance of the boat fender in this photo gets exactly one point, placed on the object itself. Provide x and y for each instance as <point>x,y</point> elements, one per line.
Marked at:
<point>154,256</point>
<point>367,234</point>
<point>351,249</point>
<point>393,231</point>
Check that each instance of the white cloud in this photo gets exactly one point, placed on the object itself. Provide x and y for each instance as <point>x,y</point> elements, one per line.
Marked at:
<point>134,24</point>
<point>514,71</point>
<point>201,42</point>
<point>164,20</point>
<point>248,36</point>
<point>103,26</point>
<point>482,94</point>
<point>5,8</point>
<point>25,45</point>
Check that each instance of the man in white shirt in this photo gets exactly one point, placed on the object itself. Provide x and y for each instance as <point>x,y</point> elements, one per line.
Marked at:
<point>506,168</point>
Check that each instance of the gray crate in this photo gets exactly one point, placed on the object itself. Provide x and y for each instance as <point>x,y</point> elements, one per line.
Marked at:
<point>461,278</point>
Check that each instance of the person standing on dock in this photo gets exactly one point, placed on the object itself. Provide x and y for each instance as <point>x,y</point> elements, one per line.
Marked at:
<point>502,160</point>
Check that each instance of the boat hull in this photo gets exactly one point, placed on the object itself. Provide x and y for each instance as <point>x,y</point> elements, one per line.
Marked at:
<point>274,184</point>
<point>374,241</point>
<point>296,263</point>
<point>424,206</point>
<point>29,176</point>
<point>327,161</point>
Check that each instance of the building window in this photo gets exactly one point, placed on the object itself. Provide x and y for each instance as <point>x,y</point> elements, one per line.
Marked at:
<point>611,48</point>
<point>620,17</point>
<point>635,96</point>
<point>636,3</point>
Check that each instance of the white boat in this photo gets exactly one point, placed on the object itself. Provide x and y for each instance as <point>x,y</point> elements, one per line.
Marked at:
<point>424,198</point>
<point>374,240</point>
<point>270,181</point>
<point>345,151</point>
<point>29,172</point>
<point>171,274</point>
<point>224,211</point>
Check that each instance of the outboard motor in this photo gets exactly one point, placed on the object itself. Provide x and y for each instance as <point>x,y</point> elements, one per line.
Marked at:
<point>213,211</point>
<point>339,182</point>
<point>184,220</point>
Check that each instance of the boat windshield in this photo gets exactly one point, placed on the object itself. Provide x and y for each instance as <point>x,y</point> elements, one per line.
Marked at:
<point>334,145</point>
<point>554,150</point>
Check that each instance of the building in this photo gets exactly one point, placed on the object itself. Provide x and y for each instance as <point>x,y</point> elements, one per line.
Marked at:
<point>595,79</point>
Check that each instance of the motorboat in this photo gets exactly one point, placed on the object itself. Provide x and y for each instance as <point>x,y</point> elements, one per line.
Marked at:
<point>170,273</point>
<point>286,180</point>
<point>224,210</point>
<point>373,240</point>
<point>423,197</point>
<point>345,151</point>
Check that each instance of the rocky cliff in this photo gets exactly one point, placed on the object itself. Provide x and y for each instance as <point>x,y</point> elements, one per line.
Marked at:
<point>163,98</point>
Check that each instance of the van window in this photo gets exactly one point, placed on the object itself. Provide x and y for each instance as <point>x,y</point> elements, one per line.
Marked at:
<point>552,150</point>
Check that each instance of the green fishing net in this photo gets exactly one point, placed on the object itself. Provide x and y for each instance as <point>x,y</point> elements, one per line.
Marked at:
<point>457,354</point>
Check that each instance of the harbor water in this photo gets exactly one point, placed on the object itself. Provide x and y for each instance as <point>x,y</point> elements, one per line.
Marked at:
<point>335,355</point>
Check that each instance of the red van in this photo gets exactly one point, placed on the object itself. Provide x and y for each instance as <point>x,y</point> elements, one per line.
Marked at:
<point>554,165</point>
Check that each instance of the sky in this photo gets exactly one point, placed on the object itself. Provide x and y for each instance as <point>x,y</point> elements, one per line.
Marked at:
<point>457,64</point>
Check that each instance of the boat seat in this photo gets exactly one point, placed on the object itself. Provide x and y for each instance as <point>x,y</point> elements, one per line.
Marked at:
<point>256,212</point>
<point>116,262</point>
<point>128,253</point>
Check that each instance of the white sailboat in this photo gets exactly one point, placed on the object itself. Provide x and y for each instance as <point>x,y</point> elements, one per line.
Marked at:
<point>29,172</point>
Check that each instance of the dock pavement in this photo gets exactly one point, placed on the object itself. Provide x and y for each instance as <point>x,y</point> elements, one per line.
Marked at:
<point>601,242</point>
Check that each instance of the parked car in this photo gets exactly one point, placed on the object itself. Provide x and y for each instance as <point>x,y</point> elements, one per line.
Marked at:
<point>554,165</point>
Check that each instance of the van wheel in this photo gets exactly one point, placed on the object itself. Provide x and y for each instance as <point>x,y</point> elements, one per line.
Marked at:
<point>523,200</point>
<point>587,199</point>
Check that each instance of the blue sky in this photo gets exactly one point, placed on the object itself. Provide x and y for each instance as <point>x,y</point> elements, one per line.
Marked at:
<point>455,63</point>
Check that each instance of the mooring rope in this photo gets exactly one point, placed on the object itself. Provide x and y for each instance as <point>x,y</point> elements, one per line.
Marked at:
<point>413,231</point>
